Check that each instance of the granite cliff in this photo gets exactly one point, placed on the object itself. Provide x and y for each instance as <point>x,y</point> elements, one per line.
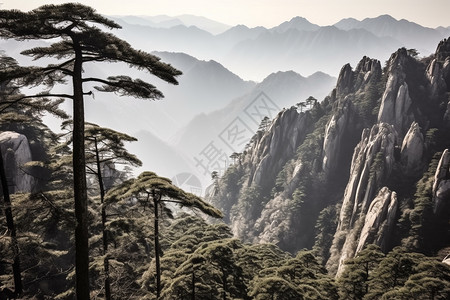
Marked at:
<point>355,169</point>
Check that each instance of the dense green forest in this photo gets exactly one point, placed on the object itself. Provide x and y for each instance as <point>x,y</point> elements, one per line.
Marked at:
<point>76,223</point>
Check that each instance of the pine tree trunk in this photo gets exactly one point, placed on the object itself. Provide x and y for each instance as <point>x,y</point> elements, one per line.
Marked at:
<point>193,283</point>
<point>79,185</point>
<point>105,235</point>
<point>11,229</point>
<point>157,262</point>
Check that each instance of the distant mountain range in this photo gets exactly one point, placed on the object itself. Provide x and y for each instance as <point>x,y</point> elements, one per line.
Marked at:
<point>298,45</point>
<point>163,21</point>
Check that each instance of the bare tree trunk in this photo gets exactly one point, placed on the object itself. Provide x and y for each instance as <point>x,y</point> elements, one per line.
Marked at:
<point>79,184</point>
<point>193,282</point>
<point>104,232</point>
<point>11,229</point>
<point>157,262</point>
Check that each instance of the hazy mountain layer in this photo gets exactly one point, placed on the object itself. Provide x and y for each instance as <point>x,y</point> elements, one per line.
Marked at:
<point>254,53</point>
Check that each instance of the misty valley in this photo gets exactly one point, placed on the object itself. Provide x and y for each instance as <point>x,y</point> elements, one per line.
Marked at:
<point>156,157</point>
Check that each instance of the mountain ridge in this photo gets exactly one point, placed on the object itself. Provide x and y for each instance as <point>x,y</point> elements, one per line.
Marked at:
<point>366,156</point>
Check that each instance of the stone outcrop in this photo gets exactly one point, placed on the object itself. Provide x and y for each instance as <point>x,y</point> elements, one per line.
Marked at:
<point>265,159</point>
<point>278,144</point>
<point>412,150</point>
<point>366,70</point>
<point>371,165</point>
<point>350,81</point>
<point>16,153</point>
<point>396,103</point>
<point>379,220</point>
<point>443,50</point>
<point>345,81</point>
<point>441,186</point>
<point>438,71</point>
<point>335,131</point>
<point>344,125</point>
<point>435,74</point>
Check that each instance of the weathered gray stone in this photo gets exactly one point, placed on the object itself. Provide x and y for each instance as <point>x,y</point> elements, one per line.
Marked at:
<point>441,185</point>
<point>16,153</point>
<point>372,163</point>
<point>334,132</point>
<point>379,220</point>
<point>435,75</point>
<point>344,83</point>
<point>278,144</point>
<point>396,104</point>
<point>412,150</point>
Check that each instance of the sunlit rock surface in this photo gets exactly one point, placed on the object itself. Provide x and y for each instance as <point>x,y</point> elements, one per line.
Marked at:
<point>396,103</point>
<point>412,150</point>
<point>372,163</point>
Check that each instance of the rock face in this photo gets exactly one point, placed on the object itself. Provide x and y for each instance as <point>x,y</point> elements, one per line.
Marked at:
<point>412,150</point>
<point>372,163</point>
<point>435,74</point>
<point>441,186</point>
<point>344,124</point>
<point>350,81</point>
<point>345,81</point>
<point>16,153</point>
<point>396,103</point>
<point>260,166</point>
<point>360,153</point>
<point>335,132</point>
<point>379,220</point>
<point>277,145</point>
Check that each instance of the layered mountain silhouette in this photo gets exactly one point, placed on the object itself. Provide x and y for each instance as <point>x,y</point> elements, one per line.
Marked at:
<point>254,53</point>
<point>164,21</point>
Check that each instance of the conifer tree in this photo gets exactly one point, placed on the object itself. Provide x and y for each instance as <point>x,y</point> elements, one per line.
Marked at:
<point>79,40</point>
<point>104,148</point>
<point>154,191</point>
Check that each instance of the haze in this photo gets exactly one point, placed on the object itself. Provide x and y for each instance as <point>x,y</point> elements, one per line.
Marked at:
<point>431,13</point>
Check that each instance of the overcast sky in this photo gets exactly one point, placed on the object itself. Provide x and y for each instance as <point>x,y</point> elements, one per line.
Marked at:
<point>268,13</point>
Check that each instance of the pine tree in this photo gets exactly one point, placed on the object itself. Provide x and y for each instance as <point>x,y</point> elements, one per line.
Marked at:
<point>79,41</point>
<point>354,281</point>
<point>155,191</point>
<point>104,149</point>
<point>392,272</point>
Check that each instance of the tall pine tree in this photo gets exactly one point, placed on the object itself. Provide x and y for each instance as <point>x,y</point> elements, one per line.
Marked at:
<point>77,40</point>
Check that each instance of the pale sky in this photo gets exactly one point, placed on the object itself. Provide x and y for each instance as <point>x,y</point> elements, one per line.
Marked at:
<point>268,13</point>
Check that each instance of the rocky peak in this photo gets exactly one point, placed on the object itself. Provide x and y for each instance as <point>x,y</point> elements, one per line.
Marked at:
<point>350,81</point>
<point>396,103</point>
<point>372,163</point>
<point>438,71</point>
<point>344,83</point>
<point>368,65</point>
<point>443,50</point>
<point>16,153</point>
<point>278,144</point>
